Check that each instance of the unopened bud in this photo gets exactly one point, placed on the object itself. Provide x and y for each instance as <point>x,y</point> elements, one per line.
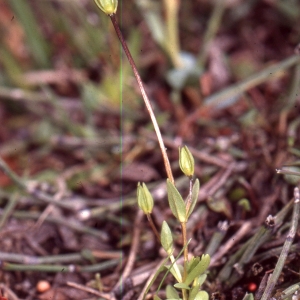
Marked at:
<point>109,7</point>
<point>145,200</point>
<point>186,161</point>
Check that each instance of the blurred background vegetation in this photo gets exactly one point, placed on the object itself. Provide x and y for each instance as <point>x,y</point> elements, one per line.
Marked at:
<point>66,59</point>
<point>222,75</point>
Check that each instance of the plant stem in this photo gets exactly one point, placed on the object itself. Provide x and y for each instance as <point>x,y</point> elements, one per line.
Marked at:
<point>153,227</point>
<point>185,253</point>
<point>176,269</point>
<point>61,268</point>
<point>145,97</point>
<point>172,40</point>
<point>273,279</point>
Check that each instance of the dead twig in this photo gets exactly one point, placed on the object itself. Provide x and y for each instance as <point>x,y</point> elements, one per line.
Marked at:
<point>273,278</point>
<point>89,290</point>
<point>133,250</point>
<point>231,242</point>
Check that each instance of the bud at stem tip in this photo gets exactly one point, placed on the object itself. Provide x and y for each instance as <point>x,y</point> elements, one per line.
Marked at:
<point>186,161</point>
<point>109,7</point>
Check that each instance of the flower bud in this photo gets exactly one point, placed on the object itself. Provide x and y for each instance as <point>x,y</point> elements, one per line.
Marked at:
<point>107,6</point>
<point>186,161</point>
<point>145,200</point>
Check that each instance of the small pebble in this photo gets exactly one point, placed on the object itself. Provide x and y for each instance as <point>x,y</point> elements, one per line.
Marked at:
<point>43,286</point>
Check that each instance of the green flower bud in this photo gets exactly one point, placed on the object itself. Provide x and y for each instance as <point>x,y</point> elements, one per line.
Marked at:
<point>145,200</point>
<point>186,161</point>
<point>107,6</point>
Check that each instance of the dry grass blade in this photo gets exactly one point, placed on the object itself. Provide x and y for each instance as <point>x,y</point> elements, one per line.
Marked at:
<point>273,279</point>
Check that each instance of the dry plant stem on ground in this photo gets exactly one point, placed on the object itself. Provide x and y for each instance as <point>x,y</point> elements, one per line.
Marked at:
<point>89,290</point>
<point>8,292</point>
<point>243,256</point>
<point>145,97</point>
<point>273,278</point>
<point>133,249</point>
<point>31,189</point>
<point>231,242</point>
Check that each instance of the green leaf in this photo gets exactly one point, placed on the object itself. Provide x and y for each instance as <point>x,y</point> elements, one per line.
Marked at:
<point>195,193</point>
<point>171,292</point>
<point>202,295</point>
<point>193,292</point>
<point>161,269</point>
<point>176,202</point>
<point>170,268</point>
<point>173,272</point>
<point>219,204</point>
<point>245,204</point>
<point>192,263</point>
<point>155,297</point>
<point>166,238</point>
<point>201,279</point>
<point>36,43</point>
<point>181,286</point>
<point>248,297</point>
<point>198,270</point>
<point>291,289</point>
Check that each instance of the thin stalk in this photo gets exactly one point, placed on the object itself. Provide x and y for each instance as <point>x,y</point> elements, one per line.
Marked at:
<point>9,208</point>
<point>184,294</point>
<point>172,41</point>
<point>213,26</point>
<point>288,292</point>
<point>35,260</point>
<point>285,249</point>
<point>294,88</point>
<point>275,252</point>
<point>185,253</point>
<point>153,227</point>
<point>176,269</point>
<point>135,241</point>
<point>89,290</point>
<point>12,175</point>
<point>151,278</point>
<point>218,100</point>
<point>83,256</point>
<point>261,287</point>
<point>61,268</point>
<point>250,82</point>
<point>287,172</point>
<point>145,97</point>
<point>8,292</point>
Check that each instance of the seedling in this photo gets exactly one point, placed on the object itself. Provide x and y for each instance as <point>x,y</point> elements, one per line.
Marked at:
<point>191,275</point>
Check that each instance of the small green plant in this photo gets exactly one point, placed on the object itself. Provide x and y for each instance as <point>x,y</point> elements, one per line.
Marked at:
<point>191,275</point>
